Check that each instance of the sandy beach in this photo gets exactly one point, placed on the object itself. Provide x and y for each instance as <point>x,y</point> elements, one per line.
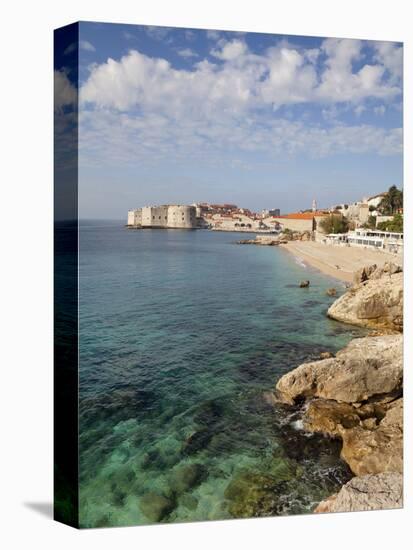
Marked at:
<point>339,261</point>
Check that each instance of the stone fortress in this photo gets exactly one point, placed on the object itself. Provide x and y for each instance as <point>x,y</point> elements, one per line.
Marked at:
<point>170,216</point>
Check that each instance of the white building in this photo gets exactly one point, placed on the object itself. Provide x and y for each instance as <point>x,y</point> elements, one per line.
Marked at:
<point>392,242</point>
<point>376,200</point>
<point>382,240</point>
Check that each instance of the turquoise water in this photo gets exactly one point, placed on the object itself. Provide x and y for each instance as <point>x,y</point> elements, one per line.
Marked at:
<point>181,335</point>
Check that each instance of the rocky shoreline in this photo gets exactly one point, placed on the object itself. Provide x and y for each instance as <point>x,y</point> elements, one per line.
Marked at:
<point>356,396</point>
<point>275,240</point>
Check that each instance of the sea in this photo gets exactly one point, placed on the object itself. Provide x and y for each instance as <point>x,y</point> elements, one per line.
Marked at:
<point>183,336</point>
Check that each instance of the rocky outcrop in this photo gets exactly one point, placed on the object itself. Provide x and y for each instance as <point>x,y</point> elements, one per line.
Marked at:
<point>355,396</point>
<point>372,434</point>
<point>373,272</point>
<point>370,492</point>
<point>281,238</point>
<point>264,240</point>
<point>304,284</point>
<point>290,235</point>
<point>377,446</point>
<point>365,368</point>
<point>363,274</point>
<point>375,300</point>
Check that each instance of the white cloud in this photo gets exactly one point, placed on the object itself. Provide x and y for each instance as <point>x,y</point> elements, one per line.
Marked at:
<point>83,45</point>
<point>139,109</point>
<point>380,110</point>
<point>213,35</point>
<point>359,110</point>
<point>65,93</point>
<point>119,139</point>
<point>154,85</point>
<point>390,55</point>
<point>87,46</point>
<point>157,33</point>
<point>187,52</point>
<point>289,78</point>
<point>128,35</point>
<point>282,75</point>
<point>189,35</point>
<point>70,48</point>
<point>339,83</point>
<point>230,50</point>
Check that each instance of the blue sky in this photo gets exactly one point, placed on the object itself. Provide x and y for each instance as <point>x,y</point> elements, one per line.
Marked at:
<point>184,115</point>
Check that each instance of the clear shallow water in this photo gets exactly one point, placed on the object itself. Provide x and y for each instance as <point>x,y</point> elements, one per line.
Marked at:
<point>181,335</point>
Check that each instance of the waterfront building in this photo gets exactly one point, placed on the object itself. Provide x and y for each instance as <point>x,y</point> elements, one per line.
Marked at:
<point>382,240</point>
<point>374,201</point>
<point>393,242</point>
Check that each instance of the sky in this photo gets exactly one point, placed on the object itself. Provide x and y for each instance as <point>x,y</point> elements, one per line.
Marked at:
<point>170,115</point>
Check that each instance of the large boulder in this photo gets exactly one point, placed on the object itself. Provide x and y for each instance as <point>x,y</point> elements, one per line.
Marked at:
<point>379,449</point>
<point>387,269</point>
<point>375,272</point>
<point>329,417</point>
<point>372,433</point>
<point>366,367</point>
<point>363,274</point>
<point>376,303</point>
<point>370,492</point>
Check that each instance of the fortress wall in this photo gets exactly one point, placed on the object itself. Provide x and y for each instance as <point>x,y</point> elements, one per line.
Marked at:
<point>135,217</point>
<point>174,216</point>
<point>154,216</point>
<point>295,224</point>
<point>183,217</point>
<point>131,217</point>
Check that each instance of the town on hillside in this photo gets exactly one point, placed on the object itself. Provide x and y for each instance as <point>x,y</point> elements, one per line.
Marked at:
<point>373,221</point>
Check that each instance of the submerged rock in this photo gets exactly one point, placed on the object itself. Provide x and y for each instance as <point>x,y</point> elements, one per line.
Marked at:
<point>156,507</point>
<point>189,501</point>
<point>366,367</point>
<point>370,492</point>
<point>331,292</point>
<point>376,302</point>
<point>197,441</point>
<point>188,476</point>
<point>251,494</point>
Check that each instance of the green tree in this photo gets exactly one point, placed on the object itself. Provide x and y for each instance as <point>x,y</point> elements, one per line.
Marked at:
<point>395,225</point>
<point>391,202</point>
<point>334,224</point>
